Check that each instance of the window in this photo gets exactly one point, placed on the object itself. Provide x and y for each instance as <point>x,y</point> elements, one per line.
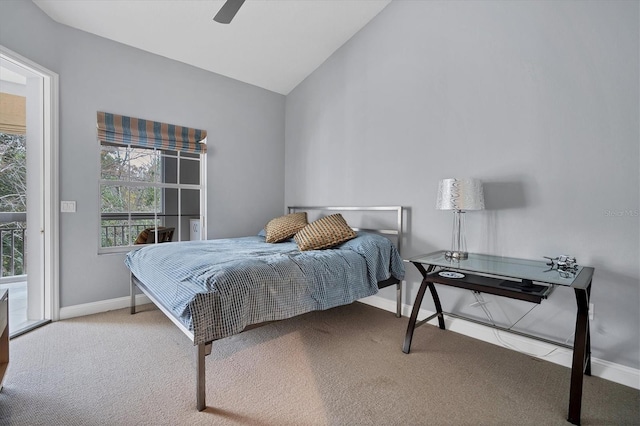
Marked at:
<point>147,186</point>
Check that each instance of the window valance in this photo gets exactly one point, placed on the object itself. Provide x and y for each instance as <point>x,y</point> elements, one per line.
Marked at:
<point>123,130</point>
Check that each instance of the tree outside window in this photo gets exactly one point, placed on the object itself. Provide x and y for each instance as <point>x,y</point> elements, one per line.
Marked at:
<point>13,199</point>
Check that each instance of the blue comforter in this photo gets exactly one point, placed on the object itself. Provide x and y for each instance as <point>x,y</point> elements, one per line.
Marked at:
<point>216,288</point>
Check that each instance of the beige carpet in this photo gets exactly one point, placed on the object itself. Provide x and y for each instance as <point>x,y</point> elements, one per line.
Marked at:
<point>338,367</point>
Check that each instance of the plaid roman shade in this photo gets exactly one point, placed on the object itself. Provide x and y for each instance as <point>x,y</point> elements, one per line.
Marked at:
<point>123,130</point>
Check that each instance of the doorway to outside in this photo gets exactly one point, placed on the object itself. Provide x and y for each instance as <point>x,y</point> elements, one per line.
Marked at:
<point>28,191</point>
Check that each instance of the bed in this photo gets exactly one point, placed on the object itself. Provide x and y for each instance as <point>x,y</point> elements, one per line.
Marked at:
<point>213,289</point>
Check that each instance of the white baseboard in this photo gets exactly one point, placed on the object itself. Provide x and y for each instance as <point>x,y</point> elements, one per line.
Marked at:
<point>101,306</point>
<point>600,368</point>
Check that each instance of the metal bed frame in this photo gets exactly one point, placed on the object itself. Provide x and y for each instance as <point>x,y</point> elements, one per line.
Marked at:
<point>204,349</point>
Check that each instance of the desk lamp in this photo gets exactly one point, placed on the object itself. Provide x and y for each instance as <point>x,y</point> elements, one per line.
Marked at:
<point>459,195</point>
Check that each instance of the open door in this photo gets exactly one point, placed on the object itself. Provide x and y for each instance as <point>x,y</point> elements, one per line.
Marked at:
<point>28,191</point>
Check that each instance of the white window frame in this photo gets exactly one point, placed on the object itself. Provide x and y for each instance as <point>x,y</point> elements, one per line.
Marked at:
<point>202,158</point>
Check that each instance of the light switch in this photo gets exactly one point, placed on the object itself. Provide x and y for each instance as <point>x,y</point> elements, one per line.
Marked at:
<point>68,206</point>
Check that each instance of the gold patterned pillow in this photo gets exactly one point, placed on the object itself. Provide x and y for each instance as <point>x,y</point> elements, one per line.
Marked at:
<point>326,232</point>
<point>284,227</point>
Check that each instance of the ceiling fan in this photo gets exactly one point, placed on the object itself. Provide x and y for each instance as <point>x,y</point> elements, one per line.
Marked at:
<point>228,11</point>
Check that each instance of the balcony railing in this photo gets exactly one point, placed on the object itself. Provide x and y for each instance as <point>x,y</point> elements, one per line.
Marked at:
<point>119,235</point>
<point>13,250</point>
<point>122,229</point>
<point>117,231</point>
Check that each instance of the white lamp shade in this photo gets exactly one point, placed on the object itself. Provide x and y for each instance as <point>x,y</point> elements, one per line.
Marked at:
<point>460,194</point>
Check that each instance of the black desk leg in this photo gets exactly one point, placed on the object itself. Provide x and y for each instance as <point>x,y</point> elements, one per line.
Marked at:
<point>414,316</point>
<point>581,354</point>
<point>434,293</point>
<point>436,301</point>
<point>416,306</point>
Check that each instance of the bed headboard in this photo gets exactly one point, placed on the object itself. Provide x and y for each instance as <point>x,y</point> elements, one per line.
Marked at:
<point>396,210</point>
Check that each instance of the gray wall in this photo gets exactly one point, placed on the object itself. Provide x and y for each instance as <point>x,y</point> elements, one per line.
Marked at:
<point>245,125</point>
<point>537,99</point>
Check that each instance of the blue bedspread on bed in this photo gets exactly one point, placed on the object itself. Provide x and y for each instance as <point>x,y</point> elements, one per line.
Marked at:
<point>218,287</point>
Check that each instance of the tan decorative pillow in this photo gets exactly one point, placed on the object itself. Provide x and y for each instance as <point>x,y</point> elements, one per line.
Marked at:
<point>326,232</point>
<point>285,227</point>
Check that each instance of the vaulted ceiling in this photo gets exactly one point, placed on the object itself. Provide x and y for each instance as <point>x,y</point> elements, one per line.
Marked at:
<point>273,44</point>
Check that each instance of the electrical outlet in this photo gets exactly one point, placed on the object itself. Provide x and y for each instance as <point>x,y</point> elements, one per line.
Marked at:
<point>591,311</point>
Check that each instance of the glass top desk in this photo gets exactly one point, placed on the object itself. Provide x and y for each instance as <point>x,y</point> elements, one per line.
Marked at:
<point>522,279</point>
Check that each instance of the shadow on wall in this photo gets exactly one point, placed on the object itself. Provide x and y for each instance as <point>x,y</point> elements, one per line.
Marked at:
<point>509,194</point>
<point>504,195</point>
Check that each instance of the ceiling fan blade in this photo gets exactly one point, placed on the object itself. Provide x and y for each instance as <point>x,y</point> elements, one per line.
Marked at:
<point>228,11</point>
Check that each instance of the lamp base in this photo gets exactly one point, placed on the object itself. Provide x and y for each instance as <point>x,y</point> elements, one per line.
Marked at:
<point>456,255</point>
<point>458,241</point>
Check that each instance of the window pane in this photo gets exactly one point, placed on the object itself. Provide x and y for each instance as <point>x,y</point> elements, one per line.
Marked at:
<point>114,233</point>
<point>190,209</point>
<point>139,224</point>
<point>114,162</point>
<point>170,210</point>
<point>114,199</point>
<point>145,165</point>
<point>190,202</point>
<point>189,171</point>
<point>125,212</point>
<point>144,200</point>
<point>169,169</point>
<point>114,220</point>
